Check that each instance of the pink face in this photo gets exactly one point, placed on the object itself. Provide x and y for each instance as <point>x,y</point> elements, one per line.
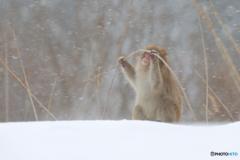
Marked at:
<point>146,58</point>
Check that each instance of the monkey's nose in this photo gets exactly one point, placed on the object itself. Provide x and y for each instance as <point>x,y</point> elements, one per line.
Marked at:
<point>149,53</point>
<point>147,58</point>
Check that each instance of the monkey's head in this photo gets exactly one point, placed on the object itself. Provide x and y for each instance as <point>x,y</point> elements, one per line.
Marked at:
<point>146,56</point>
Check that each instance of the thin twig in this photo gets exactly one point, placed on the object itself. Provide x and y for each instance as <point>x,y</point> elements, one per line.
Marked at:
<point>205,59</point>
<point>91,64</point>
<point>89,80</point>
<point>27,89</point>
<point>97,91</point>
<point>92,79</point>
<point>6,61</point>
<point>24,73</point>
<point>50,98</point>
<point>6,79</point>
<point>109,91</point>
<point>101,58</point>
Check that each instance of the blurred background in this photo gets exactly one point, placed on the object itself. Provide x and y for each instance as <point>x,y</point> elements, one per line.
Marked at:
<point>62,44</point>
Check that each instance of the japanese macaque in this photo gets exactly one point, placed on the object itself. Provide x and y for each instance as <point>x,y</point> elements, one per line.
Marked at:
<point>157,94</point>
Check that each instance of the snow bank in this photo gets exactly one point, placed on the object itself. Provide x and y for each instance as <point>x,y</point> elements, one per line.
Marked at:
<point>116,140</point>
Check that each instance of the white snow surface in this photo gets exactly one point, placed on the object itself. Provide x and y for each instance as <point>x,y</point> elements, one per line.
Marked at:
<point>116,140</point>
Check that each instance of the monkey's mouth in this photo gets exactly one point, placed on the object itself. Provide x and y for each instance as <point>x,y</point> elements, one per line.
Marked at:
<point>146,60</point>
<point>145,63</point>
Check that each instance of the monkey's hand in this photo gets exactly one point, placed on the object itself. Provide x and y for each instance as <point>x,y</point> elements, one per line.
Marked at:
<point>122,61</point>
<point>153,57</point>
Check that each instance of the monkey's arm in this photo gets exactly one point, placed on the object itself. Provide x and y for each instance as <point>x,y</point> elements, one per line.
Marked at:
<point>128,69</point>
<point>155,75</point>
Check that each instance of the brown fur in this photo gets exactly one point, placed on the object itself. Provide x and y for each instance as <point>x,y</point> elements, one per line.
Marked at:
<point>157,94</point>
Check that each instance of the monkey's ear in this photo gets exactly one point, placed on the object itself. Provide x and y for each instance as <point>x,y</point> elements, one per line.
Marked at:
<point>163,54</point>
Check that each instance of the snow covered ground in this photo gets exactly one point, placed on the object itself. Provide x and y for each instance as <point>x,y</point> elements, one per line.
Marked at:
<point>116,140</point>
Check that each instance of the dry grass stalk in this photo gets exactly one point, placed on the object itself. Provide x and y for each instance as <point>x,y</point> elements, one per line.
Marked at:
<point>27,89</point>
<point>208,110</point>
<point>98,86</point>
<point>109,91</point>
<point>224,27</point>
<point>50,98</point>
<point>224,53</point>
<point>205,59</point>
<point>101,57</point>
<point>5,72</point>
<point>220,101</point>
<point>6,80</point>
<point>90,71</point>
<point>180,86</point>
<point>24,74</point>
<point>90,59</point>
<point>214,103</point>
<point>89,80</point>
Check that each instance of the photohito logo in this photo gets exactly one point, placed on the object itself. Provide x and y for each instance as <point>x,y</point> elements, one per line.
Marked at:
<point>224,153</point>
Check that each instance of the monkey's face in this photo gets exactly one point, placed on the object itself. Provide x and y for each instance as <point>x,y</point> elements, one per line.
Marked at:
<point>147,57</point>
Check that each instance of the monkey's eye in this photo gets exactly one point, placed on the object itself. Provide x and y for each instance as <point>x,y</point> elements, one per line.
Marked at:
<point>153,51</point>
<point>146,53</point>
